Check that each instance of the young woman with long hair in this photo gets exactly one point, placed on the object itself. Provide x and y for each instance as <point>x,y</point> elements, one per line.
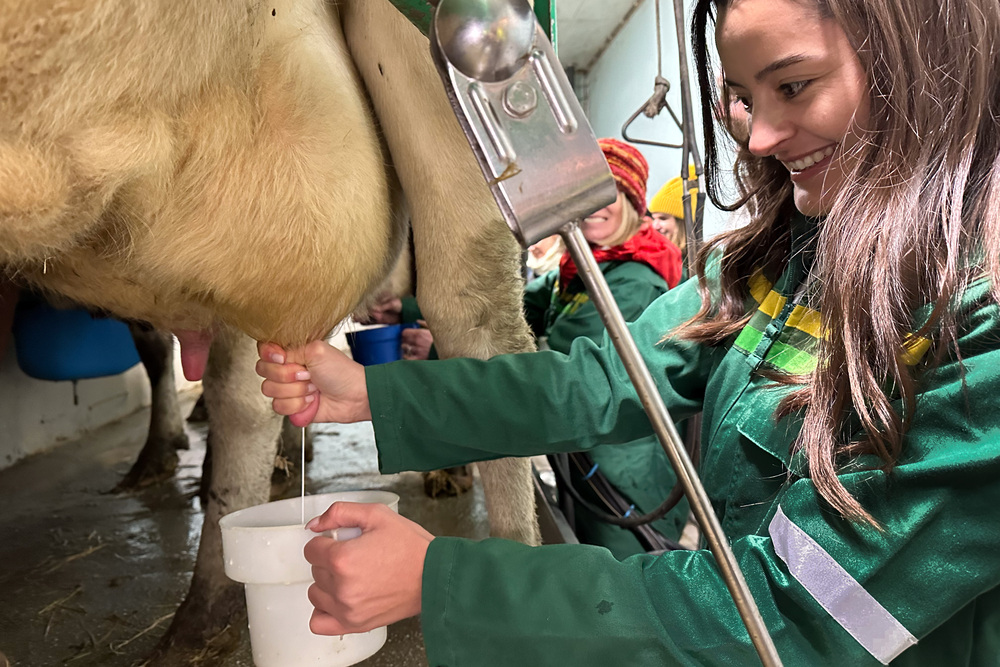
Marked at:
<point>844,348</point>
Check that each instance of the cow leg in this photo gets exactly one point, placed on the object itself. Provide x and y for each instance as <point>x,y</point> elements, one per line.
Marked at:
<point>448,482</point>
<point>470,287</point>
<point>286,476</point>
<point>245,431</point>
<point>158,459</point>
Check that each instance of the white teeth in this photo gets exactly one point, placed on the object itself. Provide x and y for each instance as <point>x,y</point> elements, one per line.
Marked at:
<point>809,160</point>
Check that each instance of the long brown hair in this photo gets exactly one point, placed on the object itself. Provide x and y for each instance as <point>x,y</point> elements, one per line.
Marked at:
<point>917,218</point>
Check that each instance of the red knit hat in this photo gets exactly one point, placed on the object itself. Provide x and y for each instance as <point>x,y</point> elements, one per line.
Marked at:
<point>630,170</point>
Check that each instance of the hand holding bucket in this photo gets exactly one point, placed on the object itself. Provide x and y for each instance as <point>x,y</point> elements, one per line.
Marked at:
<point>369,582</point>
<point>263,549</point>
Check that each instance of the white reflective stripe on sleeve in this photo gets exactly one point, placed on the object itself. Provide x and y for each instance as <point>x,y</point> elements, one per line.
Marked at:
<point>839,593</point>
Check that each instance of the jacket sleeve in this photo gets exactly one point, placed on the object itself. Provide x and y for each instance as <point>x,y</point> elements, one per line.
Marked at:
<point>439,414</point>
<point>537,297</point>
<point>633,285</point>
<point>410,311</point>
<point>829,591</point>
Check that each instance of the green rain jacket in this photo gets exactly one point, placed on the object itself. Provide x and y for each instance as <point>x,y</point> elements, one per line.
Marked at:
<point>640,469</point>
<point>830,592</point>
<point>633,284</point>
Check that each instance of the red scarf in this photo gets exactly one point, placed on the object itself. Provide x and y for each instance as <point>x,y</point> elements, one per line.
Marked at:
<point>647,246</point>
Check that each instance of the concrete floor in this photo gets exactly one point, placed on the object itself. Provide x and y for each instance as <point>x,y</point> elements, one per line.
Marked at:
<point>91,578</point>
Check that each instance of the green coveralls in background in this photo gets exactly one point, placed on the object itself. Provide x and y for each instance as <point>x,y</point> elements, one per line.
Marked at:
<point>830,592</point>
<point>639,470</point>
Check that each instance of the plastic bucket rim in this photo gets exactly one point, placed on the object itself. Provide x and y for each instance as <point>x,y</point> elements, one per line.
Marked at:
<point>226,521</point>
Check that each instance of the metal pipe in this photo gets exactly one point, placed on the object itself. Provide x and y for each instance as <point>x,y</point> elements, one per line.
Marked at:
<point>670,440</point>
<point>690,150</point>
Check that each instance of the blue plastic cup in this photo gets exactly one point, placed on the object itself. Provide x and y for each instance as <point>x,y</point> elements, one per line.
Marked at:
<point>378,345</point>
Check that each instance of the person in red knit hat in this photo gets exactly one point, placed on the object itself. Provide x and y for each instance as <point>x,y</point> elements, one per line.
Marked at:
<point>617,232</point>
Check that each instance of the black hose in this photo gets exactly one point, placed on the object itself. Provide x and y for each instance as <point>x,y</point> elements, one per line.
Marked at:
<point>651,539</point>
<point>609,493</point>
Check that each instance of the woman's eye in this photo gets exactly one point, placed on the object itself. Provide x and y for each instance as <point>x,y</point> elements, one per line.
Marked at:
<point>745,101</point>
<point>792,89</point>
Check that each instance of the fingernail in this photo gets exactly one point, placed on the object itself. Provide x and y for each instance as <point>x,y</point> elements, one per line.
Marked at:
<point>278,358</point>
<point>310,398</point>
<point>311,388</point>
<point>302,376</point>
<point>344,534</point>
<point>312,523</point>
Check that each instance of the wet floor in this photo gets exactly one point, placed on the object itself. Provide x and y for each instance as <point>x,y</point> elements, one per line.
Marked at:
<point>92,578</point>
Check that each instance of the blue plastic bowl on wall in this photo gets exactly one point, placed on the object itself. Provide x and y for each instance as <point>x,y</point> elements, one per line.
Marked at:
<point>70,344</point>
<point>377,345</point>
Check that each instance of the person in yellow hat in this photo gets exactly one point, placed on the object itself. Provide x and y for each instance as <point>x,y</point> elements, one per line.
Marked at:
<point>666,210</point>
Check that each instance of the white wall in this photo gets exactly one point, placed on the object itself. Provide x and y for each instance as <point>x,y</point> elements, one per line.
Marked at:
<point>36,415</point>
<point>622,80</point>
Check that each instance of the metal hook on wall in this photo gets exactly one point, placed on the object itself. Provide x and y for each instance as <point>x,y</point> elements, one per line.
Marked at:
<point>651,108</point>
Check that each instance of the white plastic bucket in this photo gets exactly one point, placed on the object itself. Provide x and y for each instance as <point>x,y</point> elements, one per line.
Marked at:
<point>262,547</point>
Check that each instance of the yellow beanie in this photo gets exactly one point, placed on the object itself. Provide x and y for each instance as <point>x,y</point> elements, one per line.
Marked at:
<point>670,198</point>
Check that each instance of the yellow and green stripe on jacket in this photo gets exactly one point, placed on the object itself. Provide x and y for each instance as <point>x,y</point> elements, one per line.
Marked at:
<point>798,330</point>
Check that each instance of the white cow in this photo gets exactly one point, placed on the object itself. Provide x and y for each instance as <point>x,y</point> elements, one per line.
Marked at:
<point>217,167</point>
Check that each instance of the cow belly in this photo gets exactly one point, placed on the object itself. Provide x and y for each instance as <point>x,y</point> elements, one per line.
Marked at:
<point>261,197</point>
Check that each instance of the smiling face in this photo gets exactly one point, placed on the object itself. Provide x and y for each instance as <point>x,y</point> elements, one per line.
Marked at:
<point>602,225</point>
<point>665,224</point>
<point>805,92</point>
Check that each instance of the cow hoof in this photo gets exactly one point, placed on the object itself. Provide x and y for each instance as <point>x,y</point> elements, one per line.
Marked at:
<point>448,482</point>
<point>205,644</point>
<point>152,467</point>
